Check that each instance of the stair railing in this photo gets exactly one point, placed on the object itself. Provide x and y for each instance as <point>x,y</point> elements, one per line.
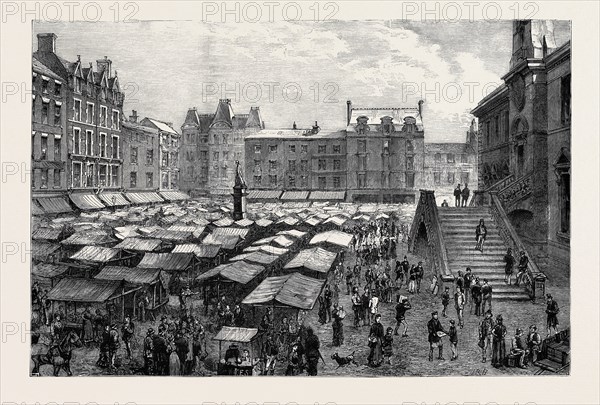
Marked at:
<point>427,213</point>
<point>516,190</point>
<point>479,199</point>
<point>512,240</point>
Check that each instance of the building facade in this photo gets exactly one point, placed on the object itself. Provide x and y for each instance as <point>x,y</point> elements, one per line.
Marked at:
<point>296,159</point>
<point>194,152</point>
<point>141,165</point>
<point>525,131</point>
<point>385,152</point>
<point>168,152</point>
<point>92,109</point>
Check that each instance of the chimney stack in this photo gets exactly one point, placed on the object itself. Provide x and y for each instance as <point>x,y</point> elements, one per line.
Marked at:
<point>133,117</point>
<point>315,128</point>
<point>105,64</point>
<point>47,42</point>
<point>348,111</point>
<point>294,126</point>
<point>421,108</point>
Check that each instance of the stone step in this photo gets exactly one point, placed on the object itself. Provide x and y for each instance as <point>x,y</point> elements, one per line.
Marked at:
<point>522,296</point>
<point>469,250</point>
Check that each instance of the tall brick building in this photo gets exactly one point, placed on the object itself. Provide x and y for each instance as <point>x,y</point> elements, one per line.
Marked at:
<point>141,164</point>
<point>168,152</point>
<point>525,142</point>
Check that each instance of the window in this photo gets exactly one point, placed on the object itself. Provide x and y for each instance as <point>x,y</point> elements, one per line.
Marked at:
<point>257,148</point>
<point>565,201</point>
<point>175,158</point>
<point>337,149</point>
<point>410,180</point>
<point>165,160</point>
<point>44,179</point>
<point>336,164</point>
<point>45,108</point>
<point>292,181</point>
<point>336,182</point>
<point>362,146</point>
<point>44,151</point>
<point>437,158</point>
<point>410,163</point>
<point>115,120</point>
<point>103,116</point>
<point>520,160</point>
<point>56,178</point>
<point>133,179</point>
<point>238,156</point>
<point>33,107</point>
<point>102,175</point>
<point>215,156</point>
<point>292,165</point>
<point>149,180</point>
<point>174,180</point>
<point>292,148</point>
<point>76,141</point>
<point>103,145</point>
<point>273,148</point>
<point>57,149</point>
<point>225,139</point>
<point>272,164</point>
<point>89,143</point>
<point>437,178</point>
<point>322,182</point>
<point>57,114</point>
<point>89,175</point>
<point>257,180</point>
<point>565,99</point>
<point>303,165</point>
<point>496,128</point>
<point>77,174</point>
<point>77,84</point>
<point>322,164</point>
<point>77,110</point>
<point>506,126</point>
<point>203,154</point>
<point>362,163</point>
<point>361,180</point>
<point>57,88</point>
<point>450,158</point>
<point>386,147</point>
<point>225,155</point>
<point>273,179</point>
<point>304,148</point>
<point>115,147</point>
<point>322,148</point>
<point>487,133</point>
<point>114,176</point>
<point>303,181</point>
<point>450,178</point>
<point>464,158</point>
<point>149,157</point>
<point>256,164</point>
<point>216,139</point>
<point>409,146</point>
<point>44,85</point>
<point>89,114</point>
<point>134,155</point>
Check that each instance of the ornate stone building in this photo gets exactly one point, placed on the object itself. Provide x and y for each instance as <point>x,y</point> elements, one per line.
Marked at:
<point>525,142</point>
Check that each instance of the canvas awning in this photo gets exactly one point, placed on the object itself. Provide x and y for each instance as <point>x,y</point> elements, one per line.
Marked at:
<point>244,222</point>
<point>54,205</point>
<point>167,261</point>
<point>132,275</point>
<point>168,235</point>
<point>283,241</point>
<point>293,233</point>
<point>234,334</point>
<point>315,259</point>
<point>272,250</point>
<point>289,221</point>
<point>293,290</point>
<point>337,238</point>
<point>223,222</point>
<point>328,195</point>
<point>260,258</point>
<point>96,254</point>
<point>294,195</point>
<point>313,221</point>
<point>113,199</point>
<point>36,209</point>
<point>201,251</point>
<point>86,201</point>
<point>263,194</point>
<point>239,272</point>
<point>52,234</point>
<point>41,250</point>
<point>337,220</point>
<point>241,232</point>
<point>85,290</point>
<point>143,197</point>
<point>48,270</point>
<point>83,238</point>
<point>263,241</point>
<point>263,222</point>
<point>228,242</point>
<point>139,244</point>
<point>174,195</point>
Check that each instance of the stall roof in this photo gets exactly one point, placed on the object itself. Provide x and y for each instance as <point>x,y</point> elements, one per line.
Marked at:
<point>272,250</point>
<point>260,258</point>
<point>327,195</point>
<point>289,221</point>
<point>203,251</point>
<point>283,241</point>
<point>97,254</point>
<point>337,238</point>
<point>40,250</point>
<point>293,233</point>
<point>313,221</point>
<point>223,222</point>
<point>174,195</point>
<point>168,235</point>
<point>113,199</point>
<point>167,261</point>
<point>54,205</point>
<point>143,197</point>
<point>86,201</point>
<point>240,272</point>
<point>244,222</point>
<point>46,233</point>
<point>133,275</point>
<point>84,238</point>
<point>253,248</point>
<point>315,259</point>
<point>48,270</point>
<point>337,220</point>
<point>263,222</point>
<point>263,194</point>
<point>139,244</point>
<point>36,209</point>
<point>264,241</point>
<point>241,232</point>
<point>228,242</point>
<point>84,290</point>
<point>234,334</point>
<point>294,195</point>
<point>293,290</point>
<point>240,257</point>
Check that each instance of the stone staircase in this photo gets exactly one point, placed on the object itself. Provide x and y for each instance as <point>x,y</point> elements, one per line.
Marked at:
<point>458,229</point>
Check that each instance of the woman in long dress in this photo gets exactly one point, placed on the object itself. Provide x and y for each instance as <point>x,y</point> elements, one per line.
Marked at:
<point>88,325</point>
<point>375,339</point>
<point>174,362</point>
<point>338,326</point>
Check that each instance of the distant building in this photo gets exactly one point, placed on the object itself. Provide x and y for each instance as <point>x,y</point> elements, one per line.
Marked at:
<point>296,159</point>
<point>525,142</point>
<point>141,164</point>
<point>89,112</point>
<point>168,152</point>
<point>386,153</point>
<point>193,160</point>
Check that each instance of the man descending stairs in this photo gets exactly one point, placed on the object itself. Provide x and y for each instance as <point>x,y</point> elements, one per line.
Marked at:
<point>458,229</point>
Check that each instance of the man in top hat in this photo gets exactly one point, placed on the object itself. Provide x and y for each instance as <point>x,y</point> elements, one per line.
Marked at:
<point>534,343</point>
<point>434,327</point>
<point>485,335</point>
<point>453,335</point>
<point>551,313</point>
<point>420,272</point>
<point>457,194</point>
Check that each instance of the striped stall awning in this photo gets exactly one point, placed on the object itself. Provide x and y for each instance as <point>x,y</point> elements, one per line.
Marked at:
<point>54,205</point>
<point>86,201</point>
<point>113,199</point>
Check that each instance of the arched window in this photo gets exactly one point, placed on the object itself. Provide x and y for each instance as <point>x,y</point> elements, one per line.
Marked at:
<point>562,170</point>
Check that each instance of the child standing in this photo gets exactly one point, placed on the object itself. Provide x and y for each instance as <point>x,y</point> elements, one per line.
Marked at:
<point>387,345</point>
<point>445,301</point>
<point>453,335</point>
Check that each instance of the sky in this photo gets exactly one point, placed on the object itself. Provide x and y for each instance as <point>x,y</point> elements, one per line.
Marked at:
<point>300,71</point>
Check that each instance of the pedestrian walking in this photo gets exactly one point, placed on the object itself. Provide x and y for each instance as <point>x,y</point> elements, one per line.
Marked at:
<point>459,303</point>
<point>401,308</point>
<point>387,345</point>
<point>498,343</point>
<point>453,335</point>
<point>435,334</point>
<point>445,301</point>
<point>465,193</point>
<point>485,335</point>
<point>375,340</point>
<point>551,315</point>
<point>486,295</point>
<point>457,194</point>
<point>480,235</point>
